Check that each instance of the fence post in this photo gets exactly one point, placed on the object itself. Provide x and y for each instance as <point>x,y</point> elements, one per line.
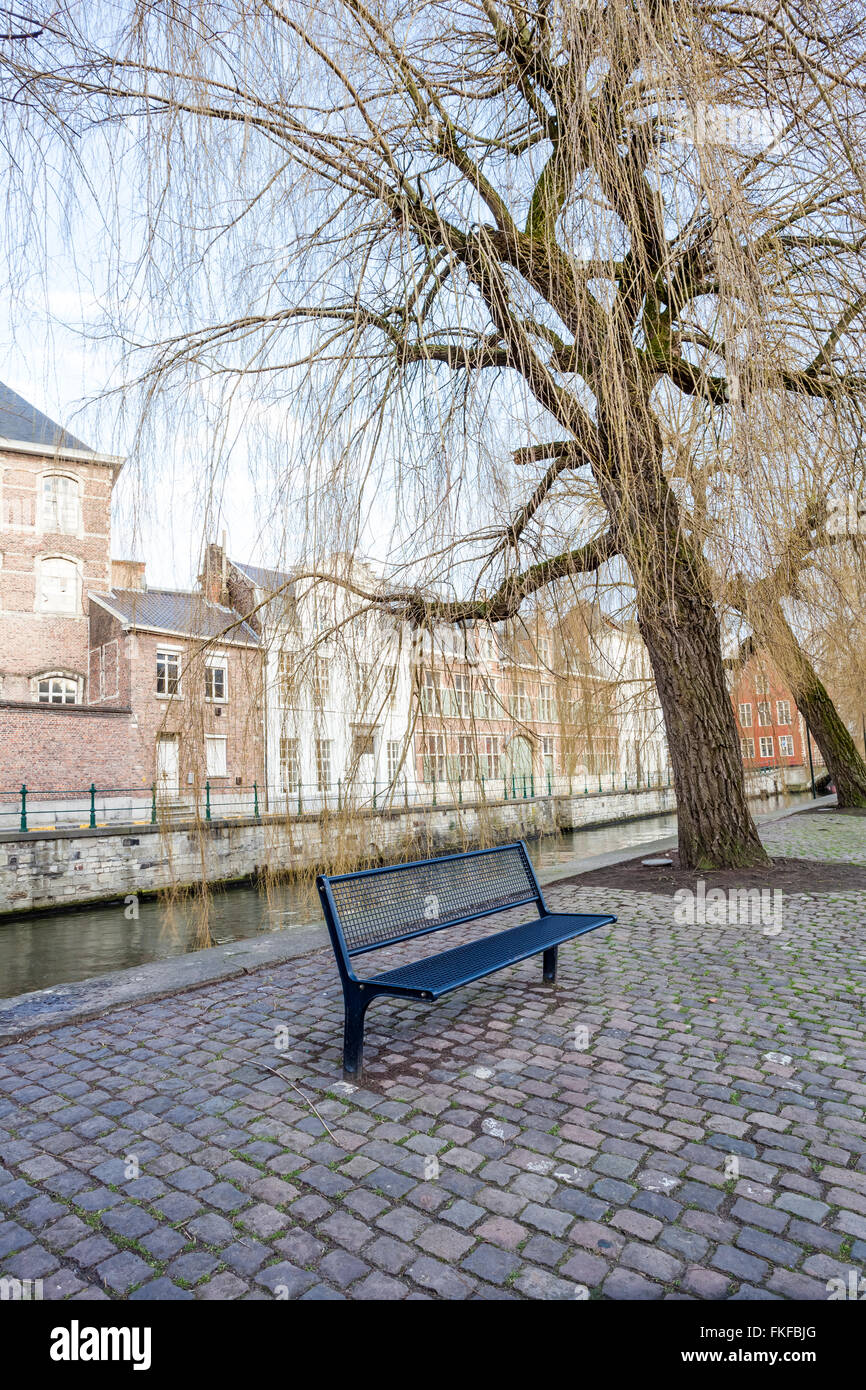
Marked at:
<point>93,806</point>
<point>153,803</point>
<point>23,806</point>
<point>207,800</point>
<point>374,793</point>
<point>459,791</point>
<point>300,794</point>
<point>340,794</point>
<point>532,783</point>
<point>256,800</point>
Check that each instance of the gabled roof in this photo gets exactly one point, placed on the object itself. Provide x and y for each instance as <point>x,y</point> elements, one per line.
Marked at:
<point>178,612</point>
<point>22,423</point>
<point>268,580</point>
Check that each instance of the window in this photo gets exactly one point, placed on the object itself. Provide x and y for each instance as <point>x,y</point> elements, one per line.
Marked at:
<point>747,747</point>
<point>434,758</point>
<point>167,673</point>
<point>764,713</point>
<point>766,746</point>
<point>490,756</point>
<point>430,700</point>
<point>215,755</point>
<point>321,682</point>
<point>547,755</point>
<point>786,745</point>
<point>362,744</point>
<point>215,681</point>
<point>462,695</point>
<point>58,586</point>
<point>762,685</point>
<point>394,759</point>
<point>288,676</point>
<point>61,504</point>
<point>323,763</point>
<point>57,690</point>
<point>465,758</point>
<point>746,716</point>
<point>521,705</point>
<point>544,651</point>
<point>783,711</point>
<point>545,703</point>
<point>290,763</point>
<point>365,682</point>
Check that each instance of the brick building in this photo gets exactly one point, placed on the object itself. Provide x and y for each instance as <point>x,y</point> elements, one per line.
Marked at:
<point>771,728</point>
<point>189,670</point>
<point>102,680</point>
<point>55,538</point>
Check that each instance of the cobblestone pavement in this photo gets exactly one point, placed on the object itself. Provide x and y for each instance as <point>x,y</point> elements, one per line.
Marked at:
<point>707,1141</point>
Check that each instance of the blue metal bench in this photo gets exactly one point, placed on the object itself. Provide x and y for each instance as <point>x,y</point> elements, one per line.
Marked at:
<point>376,908</point>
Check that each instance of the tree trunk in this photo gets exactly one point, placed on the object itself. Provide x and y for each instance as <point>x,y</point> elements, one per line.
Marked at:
<point>677,620</point>
<point>847,769</point>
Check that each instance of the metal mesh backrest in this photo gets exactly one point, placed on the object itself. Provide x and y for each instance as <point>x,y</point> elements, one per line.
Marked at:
<point>387,904</point>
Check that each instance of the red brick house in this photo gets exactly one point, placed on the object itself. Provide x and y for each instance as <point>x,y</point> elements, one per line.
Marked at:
<point>771,728</point>
<point>190,671</point>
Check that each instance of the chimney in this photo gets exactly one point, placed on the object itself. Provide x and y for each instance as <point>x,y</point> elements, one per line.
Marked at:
<point>213,580</point>
<point>128,574</point>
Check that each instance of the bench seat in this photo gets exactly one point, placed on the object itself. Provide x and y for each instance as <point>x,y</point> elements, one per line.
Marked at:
<point>374,909</point>
<point>435,975</point>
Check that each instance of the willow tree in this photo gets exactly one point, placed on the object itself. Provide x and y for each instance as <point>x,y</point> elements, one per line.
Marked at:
<point>472,223</point>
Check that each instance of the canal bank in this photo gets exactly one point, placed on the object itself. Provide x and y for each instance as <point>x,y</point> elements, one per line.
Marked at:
<point>77,958</point>
<point>53,869</point>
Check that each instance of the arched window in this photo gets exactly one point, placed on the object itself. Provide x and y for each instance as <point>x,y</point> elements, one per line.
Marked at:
<point>57,689</point>
<point>61,504</point>
<point>58,585</point>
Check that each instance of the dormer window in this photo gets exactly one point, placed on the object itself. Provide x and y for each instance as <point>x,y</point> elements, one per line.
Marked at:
<point>61,504</point>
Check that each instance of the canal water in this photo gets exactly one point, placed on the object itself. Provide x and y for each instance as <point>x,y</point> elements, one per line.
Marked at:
<point>60,947</point>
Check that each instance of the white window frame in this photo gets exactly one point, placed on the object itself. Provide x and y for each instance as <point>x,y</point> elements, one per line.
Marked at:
<point>218,662</point>
<point>764,740</point>
<point>74,570</point>
<point>745,715</point>
<point>66,677</point>
<point>216,743</point>
<point>324,764</point>
<point>174,652</point>
<point>783,712</point>
<point>394,752</point>
<point>290,753</point>
<point>47,513</point>
<point>747,747</point>
<point>786,745</point>
<point>765,714</point>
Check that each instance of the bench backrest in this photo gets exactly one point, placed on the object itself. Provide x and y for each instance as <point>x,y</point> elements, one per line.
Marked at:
<point>376,907</point>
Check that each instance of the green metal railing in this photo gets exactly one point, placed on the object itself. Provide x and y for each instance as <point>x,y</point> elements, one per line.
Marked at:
<point>28,809</point>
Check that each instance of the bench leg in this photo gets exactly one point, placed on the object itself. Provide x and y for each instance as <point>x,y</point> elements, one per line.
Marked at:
<point>549,964</point>
<point>353,1035</point>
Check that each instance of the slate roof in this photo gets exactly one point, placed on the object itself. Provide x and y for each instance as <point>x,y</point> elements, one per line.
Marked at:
<point>266,579</point>
<point>178,611</point>
<point>22,423</point>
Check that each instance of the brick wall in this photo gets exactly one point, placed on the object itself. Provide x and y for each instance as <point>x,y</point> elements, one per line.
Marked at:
<point>66,747</point>
<point>126,664</point>
<point>32,641</point>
